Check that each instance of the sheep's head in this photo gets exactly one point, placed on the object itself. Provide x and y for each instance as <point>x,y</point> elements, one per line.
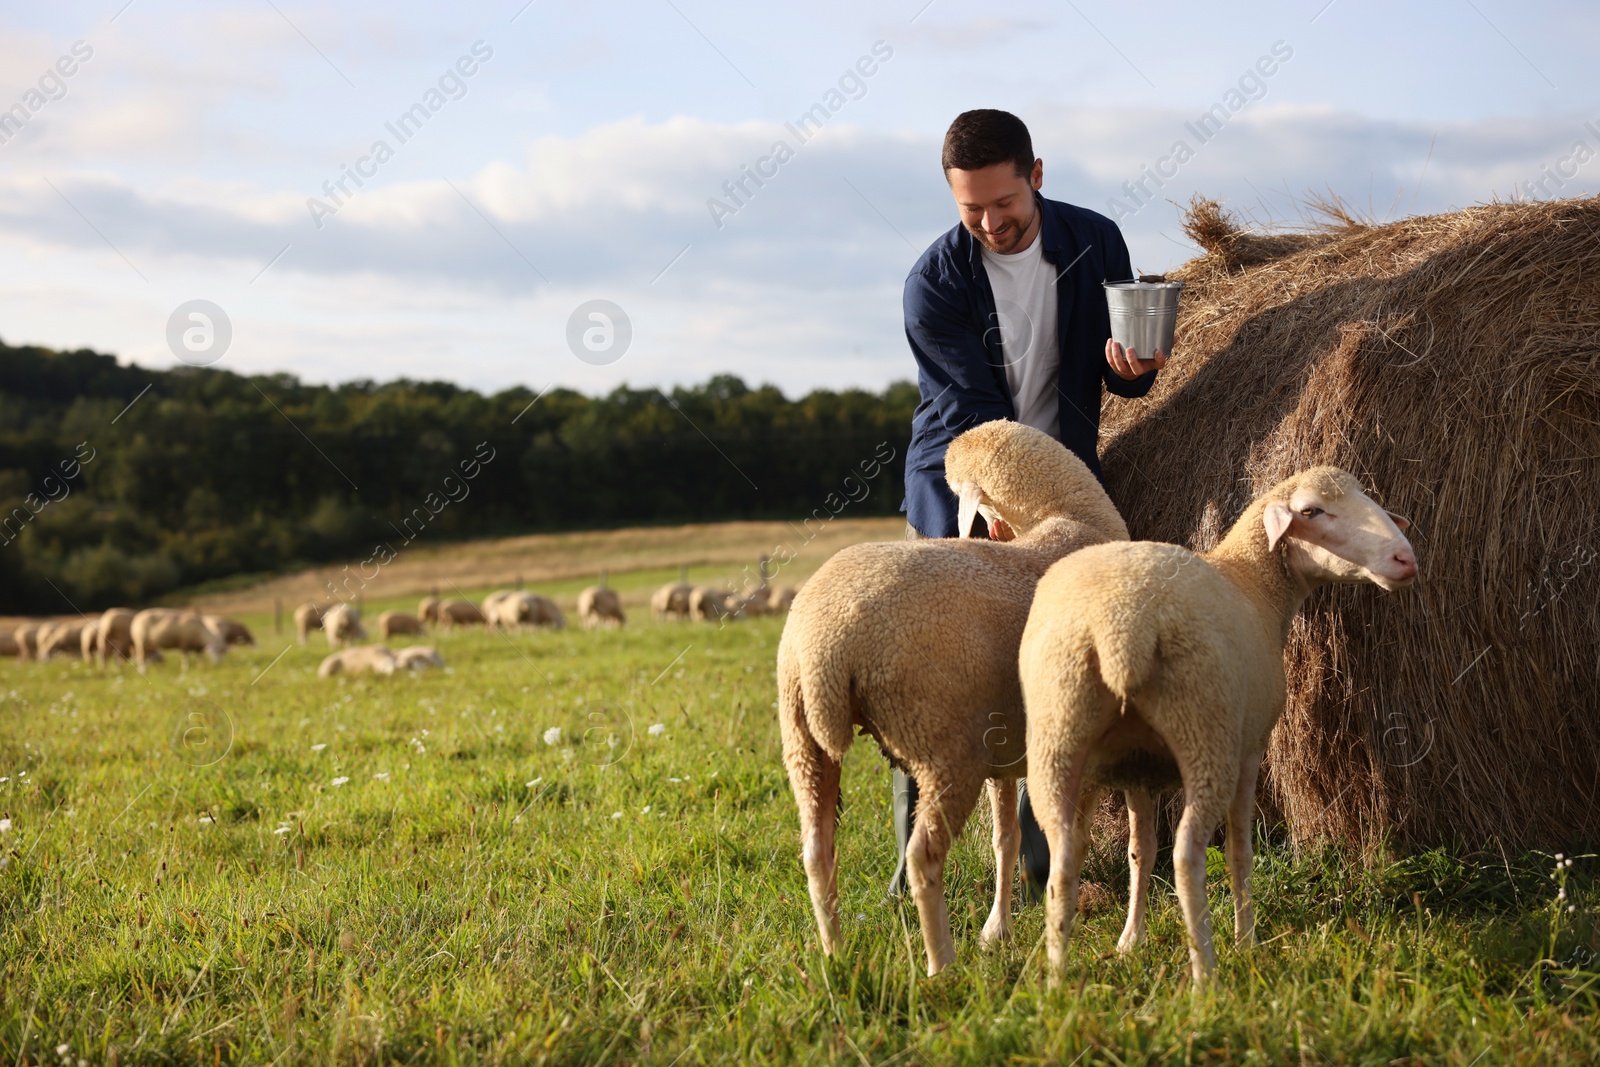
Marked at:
<point>1335,532</point>
<point>1006,470</point>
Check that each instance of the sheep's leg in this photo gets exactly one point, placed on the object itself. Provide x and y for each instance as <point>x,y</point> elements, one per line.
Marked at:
<point>1141,861</point>
<point>1240,849</point>
<point>1007,840</point>
<point>815,780</point>
<point>941,812</point>
<point>1201,814</point>
<point>1064,813</point>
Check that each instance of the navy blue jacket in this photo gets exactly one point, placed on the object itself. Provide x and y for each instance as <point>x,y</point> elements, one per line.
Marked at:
<point>950,322</point>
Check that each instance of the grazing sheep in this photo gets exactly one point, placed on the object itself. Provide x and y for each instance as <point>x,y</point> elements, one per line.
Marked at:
<point>712,604</point>
<point>233,631</point>
<point>308,617</point>
<point>756,604</point>
<point>1146,667</point>
<point>417,658</point>
<point>62,637</point>
<point>374,658</point>
<point>27,639</point>
<point>342,624</point>
<point>781,600</point>
<point>491,607</point>
<point>546,613</point>
<point>186,631</point>
<point>8,643</point>
<point>428,610</point>
<point>915,642</point>
<point>671,600</point>
<point>112,634</point>
<point>453,613</point>
<point>391,623</point>
<point>600,606</point>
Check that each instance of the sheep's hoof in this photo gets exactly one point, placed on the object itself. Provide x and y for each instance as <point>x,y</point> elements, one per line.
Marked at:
<point>995,933</point>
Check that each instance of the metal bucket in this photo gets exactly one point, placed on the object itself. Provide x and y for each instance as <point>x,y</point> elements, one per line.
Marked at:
<point>1143,315</point>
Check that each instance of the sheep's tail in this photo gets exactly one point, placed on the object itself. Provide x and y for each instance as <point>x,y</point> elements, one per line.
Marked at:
<point>814,703</point>
<point>1127,657</point>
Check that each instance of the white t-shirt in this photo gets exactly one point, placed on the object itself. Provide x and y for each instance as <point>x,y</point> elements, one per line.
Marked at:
<point>1024,285</point>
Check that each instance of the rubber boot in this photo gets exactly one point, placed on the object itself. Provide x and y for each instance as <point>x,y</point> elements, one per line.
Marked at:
<point>905,811</point>
<point>1035,850</point>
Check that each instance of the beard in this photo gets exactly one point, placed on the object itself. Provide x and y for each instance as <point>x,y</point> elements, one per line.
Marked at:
<point>1012,242</point>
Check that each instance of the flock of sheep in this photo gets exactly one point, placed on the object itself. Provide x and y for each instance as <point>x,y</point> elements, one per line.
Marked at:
<point>125,634</point>
<point>1069,655</point>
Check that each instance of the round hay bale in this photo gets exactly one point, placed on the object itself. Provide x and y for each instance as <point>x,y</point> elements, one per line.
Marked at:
<point>1452,362</point>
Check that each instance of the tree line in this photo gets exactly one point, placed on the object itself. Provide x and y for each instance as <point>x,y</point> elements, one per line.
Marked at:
<point>119,484</point>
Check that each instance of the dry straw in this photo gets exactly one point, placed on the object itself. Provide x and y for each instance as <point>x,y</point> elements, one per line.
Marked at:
<point>1452,362</point>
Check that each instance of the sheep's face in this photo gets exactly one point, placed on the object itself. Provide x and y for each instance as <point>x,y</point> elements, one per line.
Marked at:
<point>1336,533</point>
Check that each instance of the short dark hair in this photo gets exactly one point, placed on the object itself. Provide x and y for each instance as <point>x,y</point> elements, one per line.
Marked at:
<point>982,138</point>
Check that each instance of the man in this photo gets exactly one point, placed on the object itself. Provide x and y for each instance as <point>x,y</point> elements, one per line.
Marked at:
<point>1007,319</point>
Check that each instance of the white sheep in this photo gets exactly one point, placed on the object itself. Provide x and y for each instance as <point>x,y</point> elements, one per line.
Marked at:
<point>391,623</point>
<point>491,608</point>
<point>418,657</point>
<point>671,601</point>
<point>453,613</point>
<point>428,610</point>
<point>1146,666</point>
<point>308,617</point>
<point>187,631</point>
<point>915,642</point>
<point>529,609</point>
<point>600,606</point>
<point>360,660</point>
<point>711,604</point>
<point>342,624</point>
<point>64,636</point>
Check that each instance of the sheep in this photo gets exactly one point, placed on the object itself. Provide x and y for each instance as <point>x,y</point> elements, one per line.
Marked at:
<point>755,604</point>
<point>711,604</point>
<point>233,631</point>
<point>491,607</point>
<point>781,600</point>
<point>546,613</point>
<point>417,658</point>
<point>110,633</point>
<point>308,617</point>
<point>671,600</point>
<point>342,624</point>
<point>916,643</point>
<point>64,636</point>
<point>360,660</point>
<point>27,639</point>
<point>600,606</point>
<point>186,631</point>
<point>391,623</point>
<point>1145,666</point>
<point>428,610</point>
<point>453,613</point>
<point>8,643</point>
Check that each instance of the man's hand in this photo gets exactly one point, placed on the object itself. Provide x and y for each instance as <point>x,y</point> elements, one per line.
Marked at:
<point>1126,364</point>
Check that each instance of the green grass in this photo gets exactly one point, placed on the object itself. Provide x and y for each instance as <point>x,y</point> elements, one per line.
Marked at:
<point>644,902</point>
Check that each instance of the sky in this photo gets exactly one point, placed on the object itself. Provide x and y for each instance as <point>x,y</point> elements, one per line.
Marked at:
<point>506,165</point>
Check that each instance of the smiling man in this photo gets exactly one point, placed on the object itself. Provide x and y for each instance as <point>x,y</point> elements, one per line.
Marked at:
<point>1007,320</point>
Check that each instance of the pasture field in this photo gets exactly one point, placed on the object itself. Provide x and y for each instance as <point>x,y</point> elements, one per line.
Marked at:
<point>243,863</point>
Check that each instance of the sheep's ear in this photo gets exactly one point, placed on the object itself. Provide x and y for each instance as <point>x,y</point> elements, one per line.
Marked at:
<point>967,508</point>
<point>1277,518</point>
<point>1400,521</point>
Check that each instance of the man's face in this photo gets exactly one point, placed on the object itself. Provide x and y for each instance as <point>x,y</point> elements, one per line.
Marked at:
<point>997,205</point>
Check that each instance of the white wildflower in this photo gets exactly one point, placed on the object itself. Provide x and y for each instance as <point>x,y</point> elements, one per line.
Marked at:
<point>382,776</point>
<point>341,780</point>
<point>62,1050</point>
<point>535,782</point>
<point>645,810</point>
<point>319,748</point>
<point>674,780</point>
<point>5,826</point>
<point>616,815</point>
<point>206,819</point>
<point>284,830</point>
<point>658,729</point>
<point>1560,856</point>
<point>552,736</point>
